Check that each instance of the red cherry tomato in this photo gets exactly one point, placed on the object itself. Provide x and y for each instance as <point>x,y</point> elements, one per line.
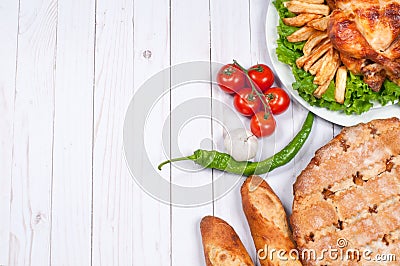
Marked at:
<point>236,66</point>
<point>277,99</point>
<point>246,102</point>
<point>262,124</point>
<point>262,76</point>
<point>246,79</point>
<point>230,79</point>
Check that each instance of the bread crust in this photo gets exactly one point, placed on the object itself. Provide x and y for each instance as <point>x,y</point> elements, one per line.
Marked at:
<point>268,223</point>
<point>222,246</point>
<point>350,191</point>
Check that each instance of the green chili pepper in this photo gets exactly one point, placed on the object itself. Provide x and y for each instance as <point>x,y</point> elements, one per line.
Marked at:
<point>224,162</point>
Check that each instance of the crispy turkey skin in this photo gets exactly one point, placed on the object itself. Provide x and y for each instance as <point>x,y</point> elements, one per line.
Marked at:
<point>368,30</point>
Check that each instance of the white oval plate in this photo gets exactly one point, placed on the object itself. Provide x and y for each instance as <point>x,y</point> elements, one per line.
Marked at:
<point>285,75</point>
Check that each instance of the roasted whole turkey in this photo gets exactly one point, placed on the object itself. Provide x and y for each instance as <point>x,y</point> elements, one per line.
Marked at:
<point>367,36</point>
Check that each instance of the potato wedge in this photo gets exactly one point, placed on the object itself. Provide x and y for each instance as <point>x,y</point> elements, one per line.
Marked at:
<point>316,66</point>
<point>316,54</point>
<point>332,71</point>
<point>301,61</point>
<point>340,89</point>
<point>322,89</point>
<point>300,20</point>
<point>313,41</point>
<point>323,72</point>
<point>313,1</point>
<point>298,7</point>
<point>320,24</point>
<point>301,35</point>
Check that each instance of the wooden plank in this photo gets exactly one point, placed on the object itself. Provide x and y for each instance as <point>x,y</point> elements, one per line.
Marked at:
<point>257,15</point>
<point>112,184</point>
<point>8,51</point>
<point>282,179</point>
<point>321,134</point>
<point>249,47</point>
<point>288,123</point>
<point>230,39</point>
<point>33,134</point>
<point>72,159</point>
<point>336,129</point>
<point>190,41</point>
<point>151,217</point>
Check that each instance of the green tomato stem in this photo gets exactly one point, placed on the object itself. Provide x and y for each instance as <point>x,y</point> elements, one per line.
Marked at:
<point>242,68</point>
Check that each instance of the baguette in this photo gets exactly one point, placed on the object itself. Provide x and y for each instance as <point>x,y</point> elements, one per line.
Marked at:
<point>222,246</point>
<point>268,224</point>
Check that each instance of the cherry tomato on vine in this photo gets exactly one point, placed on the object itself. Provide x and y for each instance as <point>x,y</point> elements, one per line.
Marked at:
<point>246,79</point>
<point>231,79</point>
<point>262,124</point>
<point>246,102</point>
<point>277,99</point>
<point>236,66</point>
<point>262,76</point>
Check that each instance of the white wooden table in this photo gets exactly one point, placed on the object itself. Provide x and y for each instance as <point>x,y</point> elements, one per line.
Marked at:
<point>68,70</point>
